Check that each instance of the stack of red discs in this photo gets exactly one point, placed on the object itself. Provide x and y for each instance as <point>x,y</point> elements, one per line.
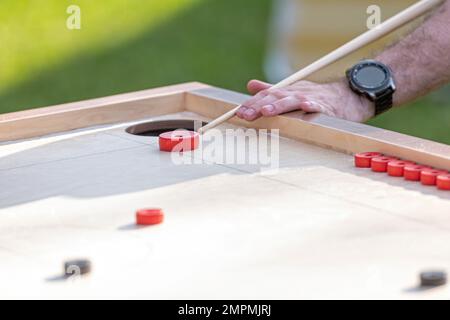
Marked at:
<point>443,181</point>
<point>380,164</point>
<point>179,141</point>
<point>148,217</point>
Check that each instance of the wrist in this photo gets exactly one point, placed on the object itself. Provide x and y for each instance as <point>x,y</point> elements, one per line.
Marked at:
<point>362,108</point>
<point>367,107</point>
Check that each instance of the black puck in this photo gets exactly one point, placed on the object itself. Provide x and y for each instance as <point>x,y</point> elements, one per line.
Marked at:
<point>77,267</point>
<point>433,278</point>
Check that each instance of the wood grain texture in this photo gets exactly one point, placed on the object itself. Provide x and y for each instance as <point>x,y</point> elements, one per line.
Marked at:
<point>113,109</point>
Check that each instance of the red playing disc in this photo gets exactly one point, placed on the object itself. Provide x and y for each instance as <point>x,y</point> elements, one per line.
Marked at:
<point>428,177</point>
<point>364,160</point>
<point>379,164</point>
<point>413,172</point>
<point>443,182</point>
<point>396,168</point>
<point>148,217</point>
<point>179,141</point>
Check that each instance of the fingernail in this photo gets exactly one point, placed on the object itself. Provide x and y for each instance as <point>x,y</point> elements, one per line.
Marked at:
<point>269,108</point>
<point>250,113</point>
<point>307,105</point>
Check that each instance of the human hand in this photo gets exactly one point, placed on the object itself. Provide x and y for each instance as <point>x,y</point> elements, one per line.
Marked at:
<point>335,99</point>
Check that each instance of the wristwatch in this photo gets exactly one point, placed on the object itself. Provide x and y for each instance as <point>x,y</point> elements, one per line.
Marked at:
<point>375,81</point>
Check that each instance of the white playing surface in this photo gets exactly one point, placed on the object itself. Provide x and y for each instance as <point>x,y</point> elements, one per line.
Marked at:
<point>316,228</point>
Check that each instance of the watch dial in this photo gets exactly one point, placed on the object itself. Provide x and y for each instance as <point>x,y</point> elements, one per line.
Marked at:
<point>370,76</point>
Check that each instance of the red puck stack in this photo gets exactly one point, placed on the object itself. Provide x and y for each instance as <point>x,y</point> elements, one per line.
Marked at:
<point>409,170</point>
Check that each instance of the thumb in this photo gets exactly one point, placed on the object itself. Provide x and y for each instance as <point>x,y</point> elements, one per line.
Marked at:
<point>255,86</point>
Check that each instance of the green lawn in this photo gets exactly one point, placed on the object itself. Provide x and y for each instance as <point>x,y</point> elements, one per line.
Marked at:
<point>127,45</point>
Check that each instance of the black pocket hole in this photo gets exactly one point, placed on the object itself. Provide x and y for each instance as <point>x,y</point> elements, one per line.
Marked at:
<point>155,128</point>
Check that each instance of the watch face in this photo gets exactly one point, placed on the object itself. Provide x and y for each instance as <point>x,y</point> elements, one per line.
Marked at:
<point>371,76</point>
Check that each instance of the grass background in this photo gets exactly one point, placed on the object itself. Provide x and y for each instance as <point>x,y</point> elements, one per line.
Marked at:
<point>128,45</point>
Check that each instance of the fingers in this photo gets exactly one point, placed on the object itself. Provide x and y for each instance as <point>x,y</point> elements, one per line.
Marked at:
<point>282,106</point>
<point>289,104</point>
<point>248,114</point>
<point>251,110</point>
<point>271,103</point>
<point>256,86</point>
<point>274,107</point>
<point>311,106</point>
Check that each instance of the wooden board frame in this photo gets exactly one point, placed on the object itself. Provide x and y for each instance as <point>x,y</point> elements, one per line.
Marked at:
<point>211,102</point>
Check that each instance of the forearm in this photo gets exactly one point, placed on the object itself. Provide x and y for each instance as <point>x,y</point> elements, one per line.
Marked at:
<point>421,61</point>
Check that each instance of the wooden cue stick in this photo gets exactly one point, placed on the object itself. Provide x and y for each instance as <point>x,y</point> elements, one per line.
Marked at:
<point>370,36</point>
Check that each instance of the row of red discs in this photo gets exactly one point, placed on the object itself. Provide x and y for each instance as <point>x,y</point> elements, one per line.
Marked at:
<point>403,168</point>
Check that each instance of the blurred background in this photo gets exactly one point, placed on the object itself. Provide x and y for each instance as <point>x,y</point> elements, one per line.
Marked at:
<point>128,45</point>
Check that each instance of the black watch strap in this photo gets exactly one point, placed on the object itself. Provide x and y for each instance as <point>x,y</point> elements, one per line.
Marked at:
<point>384,102</point>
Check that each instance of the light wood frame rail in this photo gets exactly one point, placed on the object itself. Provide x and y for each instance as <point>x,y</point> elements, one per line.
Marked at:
<point>211,102</point>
